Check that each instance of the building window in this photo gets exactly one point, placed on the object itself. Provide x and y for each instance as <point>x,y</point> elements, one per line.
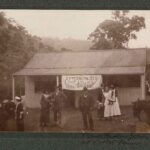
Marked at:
<point>122,81</point>
<point>43,83</point>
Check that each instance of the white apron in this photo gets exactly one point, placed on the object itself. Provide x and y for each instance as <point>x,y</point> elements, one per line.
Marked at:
<point>116,106</point>
<point>109,110</point>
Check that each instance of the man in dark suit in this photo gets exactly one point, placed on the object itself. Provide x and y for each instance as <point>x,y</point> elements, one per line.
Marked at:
<point>45,109</point>
<point>11,106</point>
<point>19,114</point>
<point>86,103</point>
<point>100,103</point>
<point>58,101</point>
<point>3,115</point>
<point>11,122</point>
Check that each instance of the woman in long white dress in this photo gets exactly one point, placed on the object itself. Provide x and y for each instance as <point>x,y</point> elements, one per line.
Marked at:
<point>109,109</point>
<point>116,106</point>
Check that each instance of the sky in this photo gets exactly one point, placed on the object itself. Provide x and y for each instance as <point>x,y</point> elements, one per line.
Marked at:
<point>75,24</point>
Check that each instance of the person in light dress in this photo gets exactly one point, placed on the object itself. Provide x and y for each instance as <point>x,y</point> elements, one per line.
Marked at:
<point>108,103</point>
<point>116,107</point>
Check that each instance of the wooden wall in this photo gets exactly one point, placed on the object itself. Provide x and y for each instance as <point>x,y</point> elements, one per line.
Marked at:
<point>32,100</point>
<point>127,95</point>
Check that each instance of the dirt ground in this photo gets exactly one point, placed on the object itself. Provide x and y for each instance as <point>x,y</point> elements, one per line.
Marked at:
<point>72,122</point>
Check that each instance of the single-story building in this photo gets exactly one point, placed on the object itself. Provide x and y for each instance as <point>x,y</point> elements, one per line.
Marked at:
<point>126,68</point>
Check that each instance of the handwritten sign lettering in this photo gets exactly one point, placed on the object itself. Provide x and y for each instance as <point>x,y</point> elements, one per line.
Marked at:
<point>78,82</point>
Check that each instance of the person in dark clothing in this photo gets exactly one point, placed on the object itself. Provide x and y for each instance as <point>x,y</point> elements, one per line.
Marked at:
<point>58,99</point>
<point>11,107</point>
<point>100,104</point>
<point>4,115</point>
<point>1,118</point>
<point>19,114</point>
<point>86,103</point>
<point>45,109</point>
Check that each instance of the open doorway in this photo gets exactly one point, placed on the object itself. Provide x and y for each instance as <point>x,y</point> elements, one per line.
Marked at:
<point>43,83</point>
<point>70,102</point>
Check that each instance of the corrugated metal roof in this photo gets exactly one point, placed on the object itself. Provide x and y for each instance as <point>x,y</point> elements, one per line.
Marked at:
<point>87,62</point>
<point>81,71</point>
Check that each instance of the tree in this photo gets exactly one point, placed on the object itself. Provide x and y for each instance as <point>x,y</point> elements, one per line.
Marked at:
<point>116,33</point>
<point>16,48</point>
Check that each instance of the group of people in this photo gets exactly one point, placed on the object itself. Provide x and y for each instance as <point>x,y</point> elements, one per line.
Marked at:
<point>107,105</point>
<point>53,101</point>
<point>12,115</point>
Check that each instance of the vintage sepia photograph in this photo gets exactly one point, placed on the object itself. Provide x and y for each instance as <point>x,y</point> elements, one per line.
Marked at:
<point>85,71</point>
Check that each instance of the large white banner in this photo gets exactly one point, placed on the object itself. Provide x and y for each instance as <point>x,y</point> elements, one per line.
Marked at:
<point>78,82</point>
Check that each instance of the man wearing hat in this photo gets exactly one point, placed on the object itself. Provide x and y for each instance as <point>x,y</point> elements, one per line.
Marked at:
<point>45,109</point>
<point>11,106</point>
<point>100,103</point>
<point>58,98</point>
<point>4,115</point>
<point>19,114</point>
<point>10,109</point>
<point>86,105</point>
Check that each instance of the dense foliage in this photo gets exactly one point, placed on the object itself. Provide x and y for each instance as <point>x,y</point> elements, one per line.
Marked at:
<point>116,33</point>
<point>17,46</point>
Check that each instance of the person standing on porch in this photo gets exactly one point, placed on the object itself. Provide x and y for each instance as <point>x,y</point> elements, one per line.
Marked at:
<point>86,104</point>
<point>11,123</point>
<point>109,108</point>
<point>11,106</point>
<point>19,114</point>
<point>116,106</point>
<point>45,109</point>
<point>100,103</point>
<point>4,115</point>
<point>58,101</point>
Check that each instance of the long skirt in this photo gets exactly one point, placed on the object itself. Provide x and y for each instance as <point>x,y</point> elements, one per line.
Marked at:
<point>20,124</point>
<point>45,116</point>
<point>116,106</point>
<point>109,110</point>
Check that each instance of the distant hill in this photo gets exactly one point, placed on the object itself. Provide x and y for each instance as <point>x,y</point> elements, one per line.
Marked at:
<point>67,44</point>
